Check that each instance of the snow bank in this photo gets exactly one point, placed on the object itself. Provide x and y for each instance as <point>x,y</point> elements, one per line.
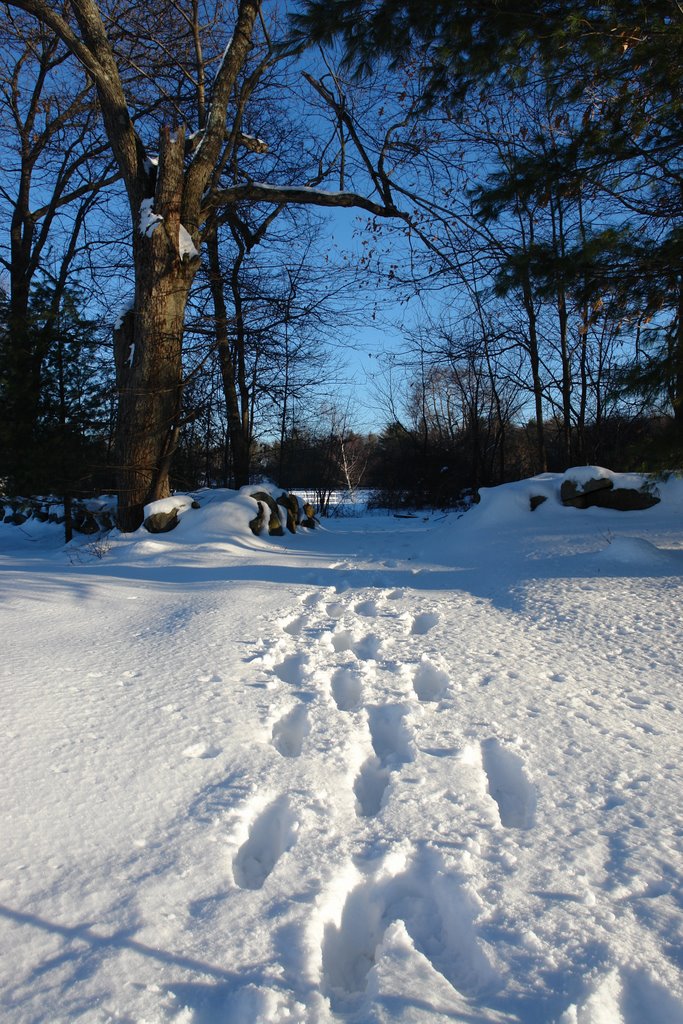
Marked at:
<point>511,503</point>
<point>637,552</point>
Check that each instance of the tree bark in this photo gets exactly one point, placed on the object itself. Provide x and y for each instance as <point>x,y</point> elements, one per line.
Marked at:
<point>148,344</point>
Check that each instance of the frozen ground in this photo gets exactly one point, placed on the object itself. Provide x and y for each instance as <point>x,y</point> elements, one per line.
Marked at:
<point>389,771</point>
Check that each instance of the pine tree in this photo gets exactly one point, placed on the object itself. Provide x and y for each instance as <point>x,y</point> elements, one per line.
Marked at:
<point>613,70</point>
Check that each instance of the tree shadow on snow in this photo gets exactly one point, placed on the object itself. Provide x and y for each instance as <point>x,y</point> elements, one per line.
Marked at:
<point>497,571</point>
<point>92,947</point>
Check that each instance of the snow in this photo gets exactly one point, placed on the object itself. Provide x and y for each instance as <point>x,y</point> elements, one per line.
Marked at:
<point>581,475</point>
<point>254,138</point>
<point>176,503</point>
<point>265,187</point>
<point>389,770</point>
<point>149,220</point>
<point>226,50</point>
<point>186,246</point>
<point>217,75</point>
<point>125,308</point>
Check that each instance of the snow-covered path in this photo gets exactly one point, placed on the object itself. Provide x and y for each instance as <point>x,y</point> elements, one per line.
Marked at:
<point>391,771</point>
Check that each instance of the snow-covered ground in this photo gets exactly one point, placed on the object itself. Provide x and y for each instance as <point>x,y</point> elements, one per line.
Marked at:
<point>390,770</point>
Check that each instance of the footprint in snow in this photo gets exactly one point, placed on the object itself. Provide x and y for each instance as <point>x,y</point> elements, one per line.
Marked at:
<point>630,995</point>
<point>429,682</point>
<point>347,688</point>
<point>290,731</point>
<point>335,609</point>
<point>368,648</point>
<point>423,622</point>
<point>342,640</point>
<point>392,746</point>
<point>367,608</point>
<point>508,785</point>
<point>438,913</point>
<point>390,736</point>
<point>201,751</point>
<point>295,626</point>
<point>291,669</point>
<point>271,834</point>
<point>369,787</point>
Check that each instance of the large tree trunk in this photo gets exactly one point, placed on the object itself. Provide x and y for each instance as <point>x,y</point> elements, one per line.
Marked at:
<point>150,381</point>
<point>148,345</point>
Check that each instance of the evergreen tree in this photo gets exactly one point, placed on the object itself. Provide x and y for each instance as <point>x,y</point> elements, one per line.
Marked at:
<point>612,72</point>
<point>65,452</point>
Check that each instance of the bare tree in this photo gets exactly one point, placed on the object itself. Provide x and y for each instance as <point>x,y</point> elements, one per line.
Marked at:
<point>175,183</point>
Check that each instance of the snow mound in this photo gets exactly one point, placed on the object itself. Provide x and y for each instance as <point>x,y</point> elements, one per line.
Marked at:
<point>635,551</point>
<point>214,515</point>
<point>510,503</point>
<point>526,522</point>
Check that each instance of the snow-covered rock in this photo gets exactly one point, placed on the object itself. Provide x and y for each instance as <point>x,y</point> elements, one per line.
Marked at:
<point>593,486</point>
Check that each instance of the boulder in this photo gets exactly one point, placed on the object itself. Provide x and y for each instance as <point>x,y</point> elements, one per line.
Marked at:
<point>84,522</point>
<point>535,500</point>
<point>291,506</point>
<point>259,521</point>
<point>162,522</point>
<point>106,521</point>
<point>599,492</point>
<point>624,499</point>
<point>274,523</point>
<point>16,518</point>
<point>309,512</point>
<point>578,495</point>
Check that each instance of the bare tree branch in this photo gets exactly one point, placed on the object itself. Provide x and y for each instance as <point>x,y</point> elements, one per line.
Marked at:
<point>259,192</point>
